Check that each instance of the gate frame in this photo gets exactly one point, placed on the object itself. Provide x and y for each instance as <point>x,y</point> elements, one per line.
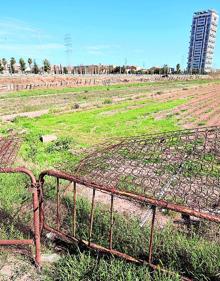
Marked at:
<point>154,203</point>
<point>36,239</point>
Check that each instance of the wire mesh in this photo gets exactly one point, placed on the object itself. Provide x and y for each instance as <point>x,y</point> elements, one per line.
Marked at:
<point>9,147</point>
<point>181,167</point>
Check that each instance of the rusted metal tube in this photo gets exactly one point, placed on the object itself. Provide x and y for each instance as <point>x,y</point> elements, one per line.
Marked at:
<point>36,226</point>
<point>22,170</point>
<point>134,196</point>
<point>152,234</point>
<point>41,205</point>
<point>102,249</point>
<point>74,209</point>
<point>35,208</point>
<point>91,216</point>
<point>92,245</point>
<point>111,222</point>
<point>17,242</point>
<point>60,234</point>
<point>58,205</point>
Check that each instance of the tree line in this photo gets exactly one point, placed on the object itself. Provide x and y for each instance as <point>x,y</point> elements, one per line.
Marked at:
<point>34,68</point>
<point>153,70</point>
<point>46,68</point>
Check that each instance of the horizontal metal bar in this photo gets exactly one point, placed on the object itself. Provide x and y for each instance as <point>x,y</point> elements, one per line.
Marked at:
<point>16,242</point>
<point>61,234</point>
<point>90,245</point>
<point>94,246</point>
<point>133,196</point>
<point>19,170</point>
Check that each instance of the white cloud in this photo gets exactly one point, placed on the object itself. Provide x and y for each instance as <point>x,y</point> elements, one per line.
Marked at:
<point>37,51</point>
<point>14,24</point>
<point>19,38</point>
<point>13,29</point>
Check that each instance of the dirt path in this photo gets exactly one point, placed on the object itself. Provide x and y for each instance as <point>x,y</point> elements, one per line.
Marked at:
<point>17,268</point>
<point>32,114</point>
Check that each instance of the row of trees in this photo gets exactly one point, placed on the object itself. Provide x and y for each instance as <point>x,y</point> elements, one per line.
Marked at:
<point>165,70</point>
<point>154,70</point>
<point>34,68</point>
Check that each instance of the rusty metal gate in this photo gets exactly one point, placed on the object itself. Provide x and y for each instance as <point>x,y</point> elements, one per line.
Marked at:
<point>8,150</point>
<point>177,171</point>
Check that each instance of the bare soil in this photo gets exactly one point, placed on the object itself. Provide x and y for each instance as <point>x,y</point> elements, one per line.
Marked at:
<point>202,107</point>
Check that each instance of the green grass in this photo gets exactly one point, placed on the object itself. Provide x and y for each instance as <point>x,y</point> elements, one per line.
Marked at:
<point>84,129</point>
<point>85,267</point>
<point>186,253</point>
<point>123,119</point>
<point>11,192</point>
<point>193,255</point>
<point>86,89</point>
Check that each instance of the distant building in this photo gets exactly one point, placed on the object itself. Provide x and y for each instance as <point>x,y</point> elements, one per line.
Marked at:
<point>202,41</point>
<point>92,69</point>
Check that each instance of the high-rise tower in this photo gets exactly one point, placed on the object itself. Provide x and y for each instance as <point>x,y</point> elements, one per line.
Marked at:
<point>202,41</point>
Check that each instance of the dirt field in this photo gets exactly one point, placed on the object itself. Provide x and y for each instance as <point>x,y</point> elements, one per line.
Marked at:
<point>201,109</point>
<point>201,106</point>
<point>45,81</point>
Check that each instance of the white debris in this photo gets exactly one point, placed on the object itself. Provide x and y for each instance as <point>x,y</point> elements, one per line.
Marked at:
<point>48,138</point>
<point>50,258</point>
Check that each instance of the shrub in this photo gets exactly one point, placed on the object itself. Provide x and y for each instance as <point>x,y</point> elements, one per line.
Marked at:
<point>76,106</point>
<point>107,101</point>
<point>62,144</point>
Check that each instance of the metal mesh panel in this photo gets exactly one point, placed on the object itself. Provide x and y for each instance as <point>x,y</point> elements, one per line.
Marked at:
<point>181,167</point>
<point>8,150</point>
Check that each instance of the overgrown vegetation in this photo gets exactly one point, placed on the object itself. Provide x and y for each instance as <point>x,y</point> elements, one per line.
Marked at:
<point>85,266</point>
<point>187,253</point>
<point>162,85</point>
<point>183,252</point>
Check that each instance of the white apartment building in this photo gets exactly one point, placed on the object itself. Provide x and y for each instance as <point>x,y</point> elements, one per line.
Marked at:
<point>202,41</point>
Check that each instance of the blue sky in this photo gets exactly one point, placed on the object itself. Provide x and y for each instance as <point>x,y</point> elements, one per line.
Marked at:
<point>144,32</point>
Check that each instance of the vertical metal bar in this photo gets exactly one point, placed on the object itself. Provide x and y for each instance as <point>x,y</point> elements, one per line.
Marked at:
<point>36,227</point>
<point>111,222</point>
<point>58,205</point>
<point>74,209</point>
<point>41,205</point>
<point>152,234</point>
<point>91,216</point>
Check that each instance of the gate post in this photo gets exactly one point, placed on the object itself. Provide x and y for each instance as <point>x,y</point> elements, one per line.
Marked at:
<point>36,240</point>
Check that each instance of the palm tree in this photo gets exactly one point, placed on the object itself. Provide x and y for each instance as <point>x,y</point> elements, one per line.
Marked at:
<point>47,66</point>
<point>22,64</point>
<point>178,70</point>
<point>35,68</point>
<point>1,67</point>
<point>30,62</point>
<point>4,62</point>
<point>12,64</point>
